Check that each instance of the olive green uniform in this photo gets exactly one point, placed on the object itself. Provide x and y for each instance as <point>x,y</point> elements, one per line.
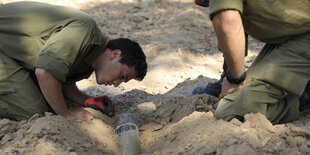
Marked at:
<point>62,40</point>
<point>280,72</point>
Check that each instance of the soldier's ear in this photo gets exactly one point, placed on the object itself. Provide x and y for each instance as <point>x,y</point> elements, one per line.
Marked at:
<point>116,53</point>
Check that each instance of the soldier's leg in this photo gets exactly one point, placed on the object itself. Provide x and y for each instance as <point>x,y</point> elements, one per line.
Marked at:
<point>20,97</point>
<point>258,97</point>
<point>274,84</point>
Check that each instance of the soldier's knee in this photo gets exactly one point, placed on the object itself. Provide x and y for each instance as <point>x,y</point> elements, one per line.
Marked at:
<point>25,113</point>
<point>227,116</point>
<point>39,108</point>
<point>230,107</point>
<point>224,110</point>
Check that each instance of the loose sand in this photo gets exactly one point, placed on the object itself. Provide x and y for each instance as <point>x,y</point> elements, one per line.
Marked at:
<point>181,50</point>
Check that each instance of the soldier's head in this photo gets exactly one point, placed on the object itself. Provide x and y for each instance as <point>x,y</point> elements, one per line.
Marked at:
<point>122,61</point>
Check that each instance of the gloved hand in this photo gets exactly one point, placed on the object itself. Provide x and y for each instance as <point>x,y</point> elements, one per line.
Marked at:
<point>203,3</point>
<point>104,104</point>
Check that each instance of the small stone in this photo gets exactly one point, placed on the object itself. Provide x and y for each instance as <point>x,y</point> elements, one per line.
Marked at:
<point>210,114</point>
<point>147,107</point>
<point>199,108</point>
<point>291,141</point>
<point>48,114</point>
<point>236,122</point>
<point>265,141</point>
<point>243,131</point>
<point>157,127</point>
<point>34,117</point>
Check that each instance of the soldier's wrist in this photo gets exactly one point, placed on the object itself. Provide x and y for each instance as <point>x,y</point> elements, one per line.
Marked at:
<point>233,80</point>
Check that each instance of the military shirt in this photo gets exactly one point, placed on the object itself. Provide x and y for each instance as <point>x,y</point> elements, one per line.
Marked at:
<point>270,21</point>
<point>62,40</point>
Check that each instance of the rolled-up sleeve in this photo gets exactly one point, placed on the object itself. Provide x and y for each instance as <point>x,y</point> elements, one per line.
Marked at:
<point>219,5</point>
<point>62,48</point>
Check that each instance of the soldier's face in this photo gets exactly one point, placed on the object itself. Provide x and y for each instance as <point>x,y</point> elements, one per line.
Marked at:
<point>114,73</point>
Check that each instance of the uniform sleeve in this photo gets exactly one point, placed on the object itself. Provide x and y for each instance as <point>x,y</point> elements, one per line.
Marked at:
<point>62,48</point>
<point>219,5</point>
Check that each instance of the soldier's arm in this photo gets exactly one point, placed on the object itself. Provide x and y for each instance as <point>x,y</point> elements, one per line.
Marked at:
<point>72,92</point>
<point>230,32</point>
<point>52,91</point>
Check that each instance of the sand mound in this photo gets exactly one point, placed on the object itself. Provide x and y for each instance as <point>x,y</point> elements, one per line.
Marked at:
<point>181,50</point>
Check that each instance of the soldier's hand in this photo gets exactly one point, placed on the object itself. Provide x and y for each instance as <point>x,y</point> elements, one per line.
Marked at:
<point>228,88</point>
<point>103,103</point>
<point>80,114</point>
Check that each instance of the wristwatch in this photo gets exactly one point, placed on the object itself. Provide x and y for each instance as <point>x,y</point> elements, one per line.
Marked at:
<point>233,80</point>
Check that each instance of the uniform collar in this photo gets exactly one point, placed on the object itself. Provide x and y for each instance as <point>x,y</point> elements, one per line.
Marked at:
<point>100,44</point>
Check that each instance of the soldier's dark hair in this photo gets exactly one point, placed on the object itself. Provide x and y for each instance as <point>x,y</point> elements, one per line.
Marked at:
<point>132,55</point>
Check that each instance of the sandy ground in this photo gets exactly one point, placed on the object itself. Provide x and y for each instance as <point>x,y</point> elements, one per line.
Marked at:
<point>181,50</point>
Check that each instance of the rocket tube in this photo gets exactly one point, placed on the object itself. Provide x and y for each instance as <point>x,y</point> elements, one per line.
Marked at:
<point>127,129</point>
